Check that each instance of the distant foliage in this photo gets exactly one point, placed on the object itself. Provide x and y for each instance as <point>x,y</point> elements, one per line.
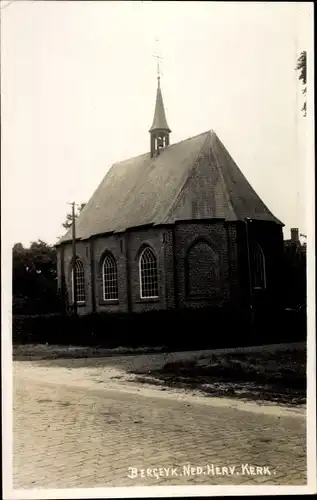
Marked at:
<point>34,278</point>
<point>69,218</point>
<point>302,76</point>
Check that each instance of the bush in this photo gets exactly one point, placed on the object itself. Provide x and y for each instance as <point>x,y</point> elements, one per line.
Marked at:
<point>188,329</point>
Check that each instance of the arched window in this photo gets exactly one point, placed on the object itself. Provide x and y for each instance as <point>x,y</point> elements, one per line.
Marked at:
<point>110,278</point>
<point>202,270</point>
<point>148,274</point>
<point>258,265</point>
<point>80,282</point>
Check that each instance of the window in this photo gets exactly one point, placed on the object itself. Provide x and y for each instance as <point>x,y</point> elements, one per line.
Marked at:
<point>80,282</point>
<point>110,278</point>
<point>148,274</point>
<point>258,264</point>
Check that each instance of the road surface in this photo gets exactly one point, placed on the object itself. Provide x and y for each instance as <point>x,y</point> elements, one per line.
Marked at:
<point>82,436</point>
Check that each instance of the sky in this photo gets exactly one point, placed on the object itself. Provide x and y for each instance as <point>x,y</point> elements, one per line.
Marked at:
<point>78,87</point>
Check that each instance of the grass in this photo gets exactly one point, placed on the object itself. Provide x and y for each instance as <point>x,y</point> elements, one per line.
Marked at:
<point>278,377</point>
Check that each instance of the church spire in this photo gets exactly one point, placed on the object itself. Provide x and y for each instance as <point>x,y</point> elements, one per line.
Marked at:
<point>159,130</point>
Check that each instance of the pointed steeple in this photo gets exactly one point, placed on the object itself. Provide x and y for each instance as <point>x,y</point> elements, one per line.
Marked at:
<point>160,130</point>
<point>159,120</point>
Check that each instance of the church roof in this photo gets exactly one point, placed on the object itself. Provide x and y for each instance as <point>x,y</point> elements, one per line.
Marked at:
<point>159,120</point>
<point>192,179</point>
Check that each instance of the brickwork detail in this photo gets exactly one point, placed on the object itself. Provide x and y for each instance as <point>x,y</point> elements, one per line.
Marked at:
<point>202,270</point>
<point>137,241</point>
<point>186,234</point>
<point>199,264</point>
<point>103,246</point>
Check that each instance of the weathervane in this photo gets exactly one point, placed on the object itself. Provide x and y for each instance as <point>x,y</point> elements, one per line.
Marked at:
<point>158,59</point>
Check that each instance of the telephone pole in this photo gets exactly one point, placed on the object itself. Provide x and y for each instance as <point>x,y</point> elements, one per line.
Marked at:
<point>74,259</point>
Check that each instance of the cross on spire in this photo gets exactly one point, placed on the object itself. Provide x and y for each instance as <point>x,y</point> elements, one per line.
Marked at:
<point>158,59</point>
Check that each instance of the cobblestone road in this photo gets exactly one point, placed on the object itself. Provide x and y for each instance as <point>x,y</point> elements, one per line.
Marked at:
<point>76,437</point>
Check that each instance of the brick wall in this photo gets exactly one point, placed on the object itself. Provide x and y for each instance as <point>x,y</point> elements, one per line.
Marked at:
<point>203,270</point>
<point>170,264</point>
<point>215,234</point>
<point>159,239</point>
<point>234,268</point>
<point>126,249</point>
<point>218,249</point>
<point>115,245</point>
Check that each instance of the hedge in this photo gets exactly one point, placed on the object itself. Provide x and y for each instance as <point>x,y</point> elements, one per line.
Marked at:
<point>186,329</point>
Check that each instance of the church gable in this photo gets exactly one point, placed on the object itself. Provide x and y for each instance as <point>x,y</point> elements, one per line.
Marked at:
<point>244,201</point>
<point>216,188</point>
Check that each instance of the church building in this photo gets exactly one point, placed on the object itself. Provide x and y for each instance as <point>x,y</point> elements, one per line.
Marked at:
<point>177,227</point>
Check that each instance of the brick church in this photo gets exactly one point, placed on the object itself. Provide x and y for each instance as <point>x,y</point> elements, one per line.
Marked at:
<point>176,227</point>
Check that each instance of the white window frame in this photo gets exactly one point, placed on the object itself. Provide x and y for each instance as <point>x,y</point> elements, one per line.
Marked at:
<point>83,273</point>
<point>258,251</point>
<point>114,272</point>
<point>148,249</point>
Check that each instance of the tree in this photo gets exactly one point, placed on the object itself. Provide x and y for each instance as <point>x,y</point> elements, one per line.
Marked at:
<point>302,69</point>
<point>69,218</point>
<point>34,273</point>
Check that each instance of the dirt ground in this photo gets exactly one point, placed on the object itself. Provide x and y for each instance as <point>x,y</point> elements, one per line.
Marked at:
<point>146,372</point>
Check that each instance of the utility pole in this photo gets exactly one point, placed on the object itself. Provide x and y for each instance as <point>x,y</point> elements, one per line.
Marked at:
<point>74,259</point>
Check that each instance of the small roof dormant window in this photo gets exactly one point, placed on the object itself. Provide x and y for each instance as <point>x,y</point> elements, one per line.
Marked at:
<point>148,271</point>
